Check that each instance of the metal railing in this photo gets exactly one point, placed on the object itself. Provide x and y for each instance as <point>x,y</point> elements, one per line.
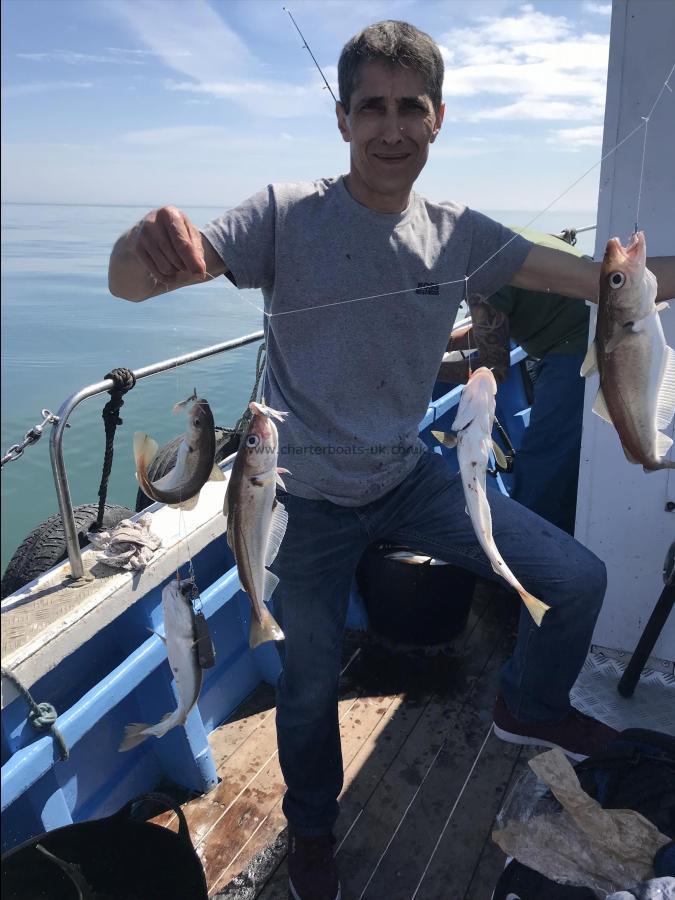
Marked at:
<point>56,436</point>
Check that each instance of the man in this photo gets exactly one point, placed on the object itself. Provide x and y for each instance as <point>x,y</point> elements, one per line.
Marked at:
<point>356,378</point>
<point>554,331</point>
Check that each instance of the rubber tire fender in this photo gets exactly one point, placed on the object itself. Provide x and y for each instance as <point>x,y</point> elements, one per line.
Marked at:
<point>45,546</point>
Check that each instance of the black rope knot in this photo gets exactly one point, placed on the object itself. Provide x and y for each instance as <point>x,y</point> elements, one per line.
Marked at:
<point>43,716</point>
<point>124,380</point>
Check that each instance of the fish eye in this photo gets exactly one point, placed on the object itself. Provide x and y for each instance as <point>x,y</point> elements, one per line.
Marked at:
<point>617,279</point>
<point>197,422</point>
<point>252,440</point>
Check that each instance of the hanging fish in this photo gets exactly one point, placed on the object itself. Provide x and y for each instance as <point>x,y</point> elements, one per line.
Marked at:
<point>473,427</point>
<point>181,647</point>
<point>256,521</point>
<point>636,366</point>
<point>194,462</point>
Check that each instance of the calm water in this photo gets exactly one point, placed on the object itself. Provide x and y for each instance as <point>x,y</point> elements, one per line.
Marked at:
<point>62,330</point>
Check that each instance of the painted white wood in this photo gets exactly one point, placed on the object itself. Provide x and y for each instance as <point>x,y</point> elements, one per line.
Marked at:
<point>621,511</point>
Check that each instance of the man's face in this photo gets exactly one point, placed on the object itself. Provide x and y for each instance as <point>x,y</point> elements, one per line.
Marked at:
<point>390,124</point>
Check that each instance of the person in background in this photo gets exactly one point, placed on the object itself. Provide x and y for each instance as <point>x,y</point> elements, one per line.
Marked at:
<point>553,330</point>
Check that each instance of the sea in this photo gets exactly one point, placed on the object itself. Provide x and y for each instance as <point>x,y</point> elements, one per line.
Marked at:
<point>62,330</point>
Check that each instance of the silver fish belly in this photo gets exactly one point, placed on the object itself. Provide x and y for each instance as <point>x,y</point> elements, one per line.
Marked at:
<point>179,638</point>
<point>473,425</point>
<point>256,521</point>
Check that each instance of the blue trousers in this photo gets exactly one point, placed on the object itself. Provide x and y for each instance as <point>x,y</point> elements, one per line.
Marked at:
<point>316,564</point>
<point>546,469</point>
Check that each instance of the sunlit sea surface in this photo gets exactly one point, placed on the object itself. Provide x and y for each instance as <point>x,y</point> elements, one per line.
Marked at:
<point>62,330</point>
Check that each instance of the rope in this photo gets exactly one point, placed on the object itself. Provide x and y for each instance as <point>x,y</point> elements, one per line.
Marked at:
<point>42,716</point>
<point>124,381</point>
<point>260,366</point>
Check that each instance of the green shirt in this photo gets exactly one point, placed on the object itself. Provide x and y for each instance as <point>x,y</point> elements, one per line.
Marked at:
<point>540,321</point>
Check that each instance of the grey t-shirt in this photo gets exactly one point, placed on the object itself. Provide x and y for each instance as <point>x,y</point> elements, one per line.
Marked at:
<point>356,378</point>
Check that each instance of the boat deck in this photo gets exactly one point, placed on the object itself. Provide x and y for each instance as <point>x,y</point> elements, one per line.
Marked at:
<point>424,776</point>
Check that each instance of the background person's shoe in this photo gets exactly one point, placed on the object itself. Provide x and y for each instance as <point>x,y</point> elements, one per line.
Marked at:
<point>577,735</point>
<point>312,871</point>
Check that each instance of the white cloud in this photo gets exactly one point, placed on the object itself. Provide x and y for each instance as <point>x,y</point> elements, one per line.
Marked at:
<point>601,9</point>
<point>548,71</point>
<point>41,87</point>
<point>576,138</point>
<point>71,58</point>
<point>190,38</point>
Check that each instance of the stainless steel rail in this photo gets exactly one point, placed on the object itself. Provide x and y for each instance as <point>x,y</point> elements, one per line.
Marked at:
<point>56,436</point>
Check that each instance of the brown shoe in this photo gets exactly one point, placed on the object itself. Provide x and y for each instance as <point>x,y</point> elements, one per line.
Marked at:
<point>312,872</point>
<point>577,735</point>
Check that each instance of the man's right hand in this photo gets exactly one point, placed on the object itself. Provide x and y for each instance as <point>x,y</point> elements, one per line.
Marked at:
<point>162,252</point>
<point>167,243</point>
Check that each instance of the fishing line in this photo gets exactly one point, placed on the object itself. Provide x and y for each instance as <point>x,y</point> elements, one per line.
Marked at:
<point>644,143</point>
<point>643,124</point>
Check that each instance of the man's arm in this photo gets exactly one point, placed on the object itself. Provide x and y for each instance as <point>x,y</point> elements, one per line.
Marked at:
<point>546,269</point>
<point>162,252</point>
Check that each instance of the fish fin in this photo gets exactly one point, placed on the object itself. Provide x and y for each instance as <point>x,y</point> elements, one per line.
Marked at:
<point>500,458</point>
<point>590,364</point>
<point>145,449</point>
<point>631,459</point>
<point>264,410</point>
<point>465,416</point>
<point>618,334</point>
<point>663,444</point>
<point>190,503</point>
<point>600,407</point>
<point>536,608</point>
<point>134,735</point>
<point>662,305</point>
<point>280,482</point>
<point>226,498</point>
<point>265,630</point>
<point>665,402</point>
<point>447,438</point>
<point>278,525</point>
<point>217,473</point>
<point>269,584</point>
<point>157,634</point>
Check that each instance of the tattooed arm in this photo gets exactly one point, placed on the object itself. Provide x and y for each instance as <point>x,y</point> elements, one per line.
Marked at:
<point>489,334</point>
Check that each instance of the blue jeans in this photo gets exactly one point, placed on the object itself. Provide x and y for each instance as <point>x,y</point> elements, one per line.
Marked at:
<point>546,469</point>
<point>316,564</point>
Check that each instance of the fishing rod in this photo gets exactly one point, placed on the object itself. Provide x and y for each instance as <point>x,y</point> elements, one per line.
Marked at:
<point>307,48</point>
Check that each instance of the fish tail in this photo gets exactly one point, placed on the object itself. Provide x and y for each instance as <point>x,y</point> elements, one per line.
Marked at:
<point>264,628</point>
<point>137,732</point>
<point>134,735</point>
<point>535,607</point>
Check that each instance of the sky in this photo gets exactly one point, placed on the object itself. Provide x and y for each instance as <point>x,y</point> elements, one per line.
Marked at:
<point>203,102</point>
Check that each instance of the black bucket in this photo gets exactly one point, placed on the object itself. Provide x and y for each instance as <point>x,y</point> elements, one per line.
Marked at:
<point>417,604</point>
<point>121,857</point>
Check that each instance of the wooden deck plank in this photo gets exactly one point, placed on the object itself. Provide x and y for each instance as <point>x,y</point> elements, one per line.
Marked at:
<point>359,717</point>
<point>459,846</point>
<point>462,727</point>
<point>492,860</point>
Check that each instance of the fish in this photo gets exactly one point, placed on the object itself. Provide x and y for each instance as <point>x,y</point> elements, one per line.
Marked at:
<point>473,429</point>
<point>195,461</point>
<point>635,365</point>
<point>180,640</point>
<point>256,520</point>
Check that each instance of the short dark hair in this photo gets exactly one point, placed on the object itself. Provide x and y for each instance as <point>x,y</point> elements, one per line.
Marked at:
<point>395,43</point>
